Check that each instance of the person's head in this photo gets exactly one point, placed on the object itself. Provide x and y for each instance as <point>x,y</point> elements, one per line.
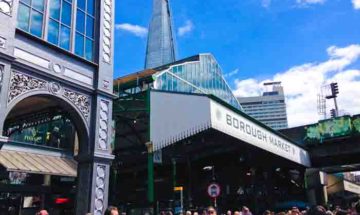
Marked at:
<point>245,210</point>
<point>316,210</point>
<point>195,213</point>
<point>236,212</point>
<point>111,210</point>
<point>42,212</point>
<point>295,211</point>
<point>228,212</point>
<point>267,212</point>
<point>211,210</point>
<point>204,211</point>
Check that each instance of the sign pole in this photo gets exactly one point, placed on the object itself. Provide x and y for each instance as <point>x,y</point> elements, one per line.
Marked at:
<point>214,191</point>
<point>150,190</point>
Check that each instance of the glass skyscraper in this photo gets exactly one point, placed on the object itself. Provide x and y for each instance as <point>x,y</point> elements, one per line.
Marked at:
<point>160,47</point>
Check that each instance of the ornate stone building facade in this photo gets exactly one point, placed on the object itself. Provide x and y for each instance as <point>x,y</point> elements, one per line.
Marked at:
<point>58,54</point>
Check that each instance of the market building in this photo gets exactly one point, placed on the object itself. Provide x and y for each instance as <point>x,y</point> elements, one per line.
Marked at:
<point>176,122</point>
<point>56,72</point>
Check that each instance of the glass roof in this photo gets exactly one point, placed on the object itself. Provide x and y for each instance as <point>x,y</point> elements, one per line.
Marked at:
<point>201,76</point>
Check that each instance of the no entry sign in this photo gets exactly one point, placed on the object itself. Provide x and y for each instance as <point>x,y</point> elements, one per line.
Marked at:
<point>214,190</point>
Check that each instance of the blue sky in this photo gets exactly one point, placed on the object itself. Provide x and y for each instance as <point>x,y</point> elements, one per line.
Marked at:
<point>253,40</point>
<point>244,35</point>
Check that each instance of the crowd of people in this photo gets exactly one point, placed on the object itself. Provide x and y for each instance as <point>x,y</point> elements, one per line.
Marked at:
<point>315,210</point>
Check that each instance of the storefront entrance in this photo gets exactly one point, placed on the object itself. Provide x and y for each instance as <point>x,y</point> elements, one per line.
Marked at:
<point>37,160</point>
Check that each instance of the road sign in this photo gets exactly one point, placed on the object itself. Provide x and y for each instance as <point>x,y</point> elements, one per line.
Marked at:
<point>214,190</point>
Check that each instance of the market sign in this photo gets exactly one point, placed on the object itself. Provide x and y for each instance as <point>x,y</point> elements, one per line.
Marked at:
<point>175,116</point>
<point>332,128</point>
<point>242,128</point>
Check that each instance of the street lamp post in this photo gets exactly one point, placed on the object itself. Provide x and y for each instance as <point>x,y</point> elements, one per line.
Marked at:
<point>212,168</point>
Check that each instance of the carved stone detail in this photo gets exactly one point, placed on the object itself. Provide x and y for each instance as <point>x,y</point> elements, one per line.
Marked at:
<point>99,189</point>
<point>107,28</point>
<point>6,6</point>
<point>55,88</point>
<point>103,125</point>
<point>21,83</point>
<point>81,101</point>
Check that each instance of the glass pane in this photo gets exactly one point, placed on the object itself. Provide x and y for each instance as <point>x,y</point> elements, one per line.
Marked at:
<point>36,23</point>
<point>90,7</point>
<point>81,4</point>
<point>23,17</point>
<point>89,50</point>
<point>65,37</point>
<point>66,13</point>
<point>26,2</point>
<point>80,21</point>
<point>89,27</point>
<point>38,4</point>
<point>55,9</point>
<point>53,32</point>
<point>79,44</point>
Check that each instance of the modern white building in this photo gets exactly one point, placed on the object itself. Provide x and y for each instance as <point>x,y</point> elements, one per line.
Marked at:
<point>270,108</point>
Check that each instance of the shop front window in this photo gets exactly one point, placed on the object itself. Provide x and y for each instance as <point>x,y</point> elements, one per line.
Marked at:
<point>58,133</point>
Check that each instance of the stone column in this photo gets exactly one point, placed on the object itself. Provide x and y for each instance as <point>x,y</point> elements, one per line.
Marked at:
<point>94,162</point>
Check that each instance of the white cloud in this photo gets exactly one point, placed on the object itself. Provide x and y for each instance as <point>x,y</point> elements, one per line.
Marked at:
<point>356,4</point>
<point>133,29</point>
<point>187,28</point>
<point>307,2</point>
<point>302,84</point>
<point>232,73</point>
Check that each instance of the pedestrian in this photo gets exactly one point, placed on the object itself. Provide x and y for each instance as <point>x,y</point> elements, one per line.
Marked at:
<point>228,212</point>
<point>267,212</point>
<point>204,211</point>
<point>316,210</point>
<point>236,212</point>
<point>211,210</point>
<point>111,210</point>
<point>188,213</point>
<point>245,211</point>
<point>295,211</point>
<point>42,212</point>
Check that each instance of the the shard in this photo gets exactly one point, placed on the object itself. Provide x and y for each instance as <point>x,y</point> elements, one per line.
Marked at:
<point>160,46</point>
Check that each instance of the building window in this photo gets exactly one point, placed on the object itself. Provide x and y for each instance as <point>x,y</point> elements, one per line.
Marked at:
<point>60,26</point>
<point>59,29</point>
<point>31,16</point>
<point>85,25</point>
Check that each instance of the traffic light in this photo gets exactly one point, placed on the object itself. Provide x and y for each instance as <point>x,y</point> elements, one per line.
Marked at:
<point>334,89</point>
<point>333,113</point>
